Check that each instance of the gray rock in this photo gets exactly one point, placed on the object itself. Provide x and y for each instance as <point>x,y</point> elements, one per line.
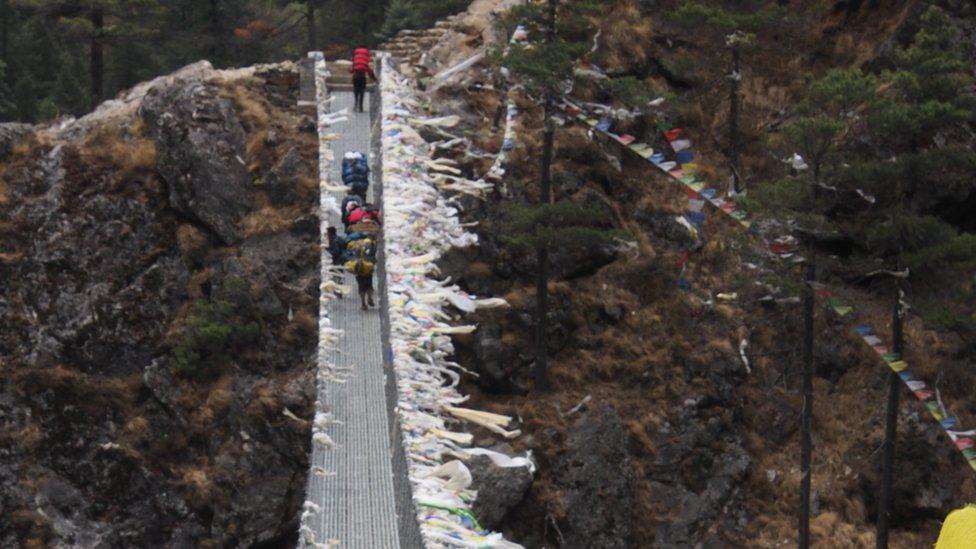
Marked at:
<point>499,489</point>
<point>281,181</point>
<point>695,512</point>
<point>10,134</point>
<point>200,154</point>
<point>666,227</point>
<point>596,478</point>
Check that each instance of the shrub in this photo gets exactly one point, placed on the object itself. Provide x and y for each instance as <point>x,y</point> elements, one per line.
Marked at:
<point>216,332</point>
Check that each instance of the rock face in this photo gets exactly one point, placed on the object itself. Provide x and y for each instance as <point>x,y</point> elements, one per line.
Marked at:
<point>597,481</point>
<point>200,154</point>
<point>103,442</point>
<point>499,489</point>
<point>10,133</point>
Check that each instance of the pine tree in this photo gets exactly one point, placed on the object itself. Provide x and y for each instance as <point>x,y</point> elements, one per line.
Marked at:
<point>735,29</point>
<point>546,68</point>
<point>884,163</point>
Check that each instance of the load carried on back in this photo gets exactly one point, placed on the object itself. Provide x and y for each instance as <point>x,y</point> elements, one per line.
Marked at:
<point>355,173</point>
<point>360,260</point>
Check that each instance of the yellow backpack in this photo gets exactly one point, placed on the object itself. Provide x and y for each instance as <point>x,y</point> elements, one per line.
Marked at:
<point>361,267</point>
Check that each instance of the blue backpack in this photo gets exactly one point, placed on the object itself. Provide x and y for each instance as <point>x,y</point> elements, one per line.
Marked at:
<point>355,170</point>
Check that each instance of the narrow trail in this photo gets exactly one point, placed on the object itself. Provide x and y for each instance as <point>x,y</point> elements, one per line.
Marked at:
<point>352,479</point>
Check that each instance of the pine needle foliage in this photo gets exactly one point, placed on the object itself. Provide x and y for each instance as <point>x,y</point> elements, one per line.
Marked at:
<point>558,225</point>
<point>216,332</point>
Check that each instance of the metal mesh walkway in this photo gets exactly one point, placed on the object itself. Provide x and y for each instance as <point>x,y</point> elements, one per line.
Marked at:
<point>356,493</point>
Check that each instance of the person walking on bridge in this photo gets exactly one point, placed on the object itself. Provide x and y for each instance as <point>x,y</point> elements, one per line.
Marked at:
<point>360,69</point>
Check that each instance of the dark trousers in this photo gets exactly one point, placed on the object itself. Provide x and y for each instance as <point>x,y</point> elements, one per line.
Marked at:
<point>359,89</point>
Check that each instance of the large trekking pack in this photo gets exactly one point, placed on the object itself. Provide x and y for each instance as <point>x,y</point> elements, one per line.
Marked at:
<point>355,173</point>
<point>361,257</point>
<point>355,165</point>
<point>350,204</point>
<point>360,60</point>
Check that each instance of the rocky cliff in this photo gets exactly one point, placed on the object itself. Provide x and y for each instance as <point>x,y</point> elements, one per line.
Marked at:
<point>159,260</point>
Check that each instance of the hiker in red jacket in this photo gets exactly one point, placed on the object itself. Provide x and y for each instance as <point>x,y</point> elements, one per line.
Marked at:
<point>360,69</point>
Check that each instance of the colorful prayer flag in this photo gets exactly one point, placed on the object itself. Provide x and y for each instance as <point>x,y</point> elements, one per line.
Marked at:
<point>924,394</point>
<point>898,366</point>
<point>672,134</point>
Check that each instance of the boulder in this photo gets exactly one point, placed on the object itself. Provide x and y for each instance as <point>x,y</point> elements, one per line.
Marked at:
<point>10,134</point>
<point>281,182</point>
<point>499,489</point>
<point>200,154</point>
<point>596,480</point>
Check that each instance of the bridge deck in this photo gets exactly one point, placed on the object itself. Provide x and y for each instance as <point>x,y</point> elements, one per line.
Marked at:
<point>357,502</point>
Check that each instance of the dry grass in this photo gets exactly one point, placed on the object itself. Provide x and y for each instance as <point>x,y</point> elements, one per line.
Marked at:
<point>193,244</point>
<point>264,401</point>
<point>128,150</point>
<point>135,431</point>
<point>623,38</point>
<point>308,186</point>
<point>303,325</point>
<point>268,220</point>
<point>91,394</point>
<point>251,107</point>
<point>217,401</point>
<point>33,528</point>
<point>4,193</point>
<point>200,486</point>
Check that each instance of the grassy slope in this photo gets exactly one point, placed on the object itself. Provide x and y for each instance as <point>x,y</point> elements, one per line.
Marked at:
<point>667,345</point>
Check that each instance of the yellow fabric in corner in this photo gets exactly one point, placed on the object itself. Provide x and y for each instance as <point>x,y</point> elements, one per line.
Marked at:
<point>958,530</point>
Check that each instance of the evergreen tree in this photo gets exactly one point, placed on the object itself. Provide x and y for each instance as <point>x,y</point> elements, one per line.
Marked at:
<point>546,67</point>
<point>734,29</point>
<point>884,166</point>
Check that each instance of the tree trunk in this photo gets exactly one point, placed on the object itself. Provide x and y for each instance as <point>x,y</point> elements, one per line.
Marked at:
<point>734,121</point>
<point>214,29</point>
<point>4,30</point>
<point>542,277</point>
<point>97,57</point>
<point>541,373</point>
<point>310,22</point>
<point>551,31</point>
<point>891,428</point>
<point>545,197</point>
<point>806,441</point>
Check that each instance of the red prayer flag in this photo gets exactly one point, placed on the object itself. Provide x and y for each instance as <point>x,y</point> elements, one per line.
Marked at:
<point>962,443</point>
<point>673,134</point>
<point>682,260</point>
<point>924,394</point>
